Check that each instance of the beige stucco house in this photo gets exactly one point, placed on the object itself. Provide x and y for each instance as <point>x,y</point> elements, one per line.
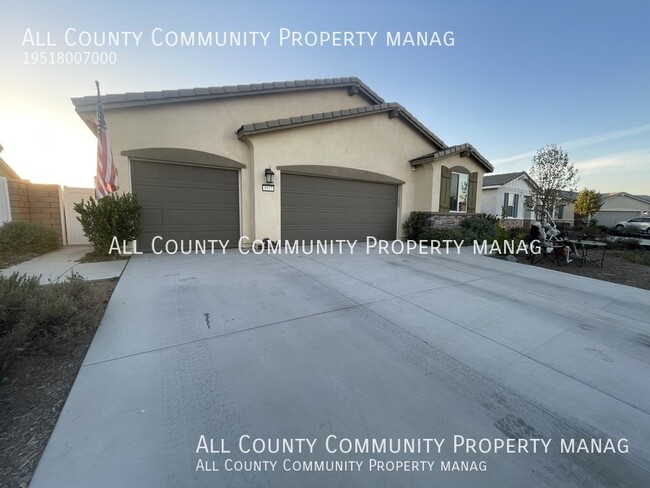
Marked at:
<point>622,206</point>
<point>345,163</point>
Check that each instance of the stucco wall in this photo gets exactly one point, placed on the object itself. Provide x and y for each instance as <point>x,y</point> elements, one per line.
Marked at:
<point>424,187</point>
<point>624,203</point>
<point>568,214</point>
<point>372,143</point>
<point>210,126</point>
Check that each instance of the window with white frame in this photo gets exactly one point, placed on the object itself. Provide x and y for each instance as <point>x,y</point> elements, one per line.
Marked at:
<point>511,204</point>
<point>559,212</point>
<point>459,192</point>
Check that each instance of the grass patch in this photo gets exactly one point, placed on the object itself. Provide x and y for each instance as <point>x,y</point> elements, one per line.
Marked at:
<point>47,319</point>
<point>20,241</point>
<point>637,257</point>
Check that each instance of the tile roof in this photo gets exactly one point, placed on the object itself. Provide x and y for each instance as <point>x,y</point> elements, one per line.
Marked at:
<point>354,84</point>
<point>394,109</point>
<point>463,149</point>
<point>643,198</point>
<point>501,179</point>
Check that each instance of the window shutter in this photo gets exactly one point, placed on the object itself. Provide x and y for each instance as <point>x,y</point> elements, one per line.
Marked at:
<point>473,188</point>
<point>515,210</point>
<point>445,189</point>
<point>505,205</point>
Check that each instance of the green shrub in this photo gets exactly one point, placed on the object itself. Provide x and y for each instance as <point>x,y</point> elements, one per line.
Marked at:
<point>514,234</point>
<point>518,233</point>
<point>16,295</point>
<point>43,318</point>
<point>415,225</point>
<point>479,228</point>
<point>114,216</point>
<point>625,244</point>
<point>442,234</point>
<point>26,238</point>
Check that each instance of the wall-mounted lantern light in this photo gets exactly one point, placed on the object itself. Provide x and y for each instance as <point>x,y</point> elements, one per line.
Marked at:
<point>269,174</point>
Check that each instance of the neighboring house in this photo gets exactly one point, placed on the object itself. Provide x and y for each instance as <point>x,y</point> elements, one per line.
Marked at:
<point>622,206</point>
<point>506,195</point>
<point>564,213</point>
<point>346,164</point>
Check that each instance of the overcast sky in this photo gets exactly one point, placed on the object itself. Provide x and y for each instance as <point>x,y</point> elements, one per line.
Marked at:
<point>520,74</point>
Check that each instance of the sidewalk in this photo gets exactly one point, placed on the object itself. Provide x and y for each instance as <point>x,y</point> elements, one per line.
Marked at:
<point>55,266</point>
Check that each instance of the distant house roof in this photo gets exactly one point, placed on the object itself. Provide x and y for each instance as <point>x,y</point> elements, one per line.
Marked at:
<point>502,179</point>
<point>568,195</point>
<point>462,149</point>
<point>393,109</point>
<point>643,198</point>
<point>354,85</point>
<point>7,171</point>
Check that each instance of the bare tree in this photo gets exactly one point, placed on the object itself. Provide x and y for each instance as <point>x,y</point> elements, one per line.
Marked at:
<point>552,174</point>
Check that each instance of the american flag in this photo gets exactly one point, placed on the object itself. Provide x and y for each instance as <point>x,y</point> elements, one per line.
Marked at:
<point>106,180</point>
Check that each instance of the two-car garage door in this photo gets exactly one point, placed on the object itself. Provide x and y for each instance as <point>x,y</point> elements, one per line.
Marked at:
<point>186,203</point>
<point>318,208</point>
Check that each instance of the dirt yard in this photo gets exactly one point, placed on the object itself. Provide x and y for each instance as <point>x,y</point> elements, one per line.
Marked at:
<point>615,270</point>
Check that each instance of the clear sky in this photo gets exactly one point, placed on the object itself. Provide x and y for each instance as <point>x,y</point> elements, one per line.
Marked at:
<point>521,74</point>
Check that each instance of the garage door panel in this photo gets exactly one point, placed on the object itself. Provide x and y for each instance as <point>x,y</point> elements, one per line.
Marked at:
<point>326,208</point>
<point>179,217</point>
<point>149,193</point>
<point>183,202</point>
<point>203,217</point>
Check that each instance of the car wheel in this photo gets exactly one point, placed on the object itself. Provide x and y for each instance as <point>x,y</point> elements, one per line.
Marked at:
<point>620,228</point>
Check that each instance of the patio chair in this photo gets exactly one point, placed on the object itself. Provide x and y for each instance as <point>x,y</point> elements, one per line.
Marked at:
<point>540,245</point>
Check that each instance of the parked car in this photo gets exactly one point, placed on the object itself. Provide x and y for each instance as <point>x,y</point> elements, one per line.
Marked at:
<point>637,225</point>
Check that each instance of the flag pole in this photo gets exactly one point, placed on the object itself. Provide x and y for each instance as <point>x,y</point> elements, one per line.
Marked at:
<point>106,180</point>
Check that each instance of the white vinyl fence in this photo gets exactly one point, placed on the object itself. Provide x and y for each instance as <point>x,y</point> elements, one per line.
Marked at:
<point>69,196</point>
<point>5,208</point>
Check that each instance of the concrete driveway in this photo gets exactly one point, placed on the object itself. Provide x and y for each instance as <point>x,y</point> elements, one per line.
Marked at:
<point>339,349</point>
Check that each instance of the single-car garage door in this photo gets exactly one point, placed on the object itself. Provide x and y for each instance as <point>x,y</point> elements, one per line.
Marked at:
<point>186,203</point>
<point>317,208</point>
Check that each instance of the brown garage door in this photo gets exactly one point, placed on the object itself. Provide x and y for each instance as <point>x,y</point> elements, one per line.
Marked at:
<point>186,202</point>
<point>326,208</point>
